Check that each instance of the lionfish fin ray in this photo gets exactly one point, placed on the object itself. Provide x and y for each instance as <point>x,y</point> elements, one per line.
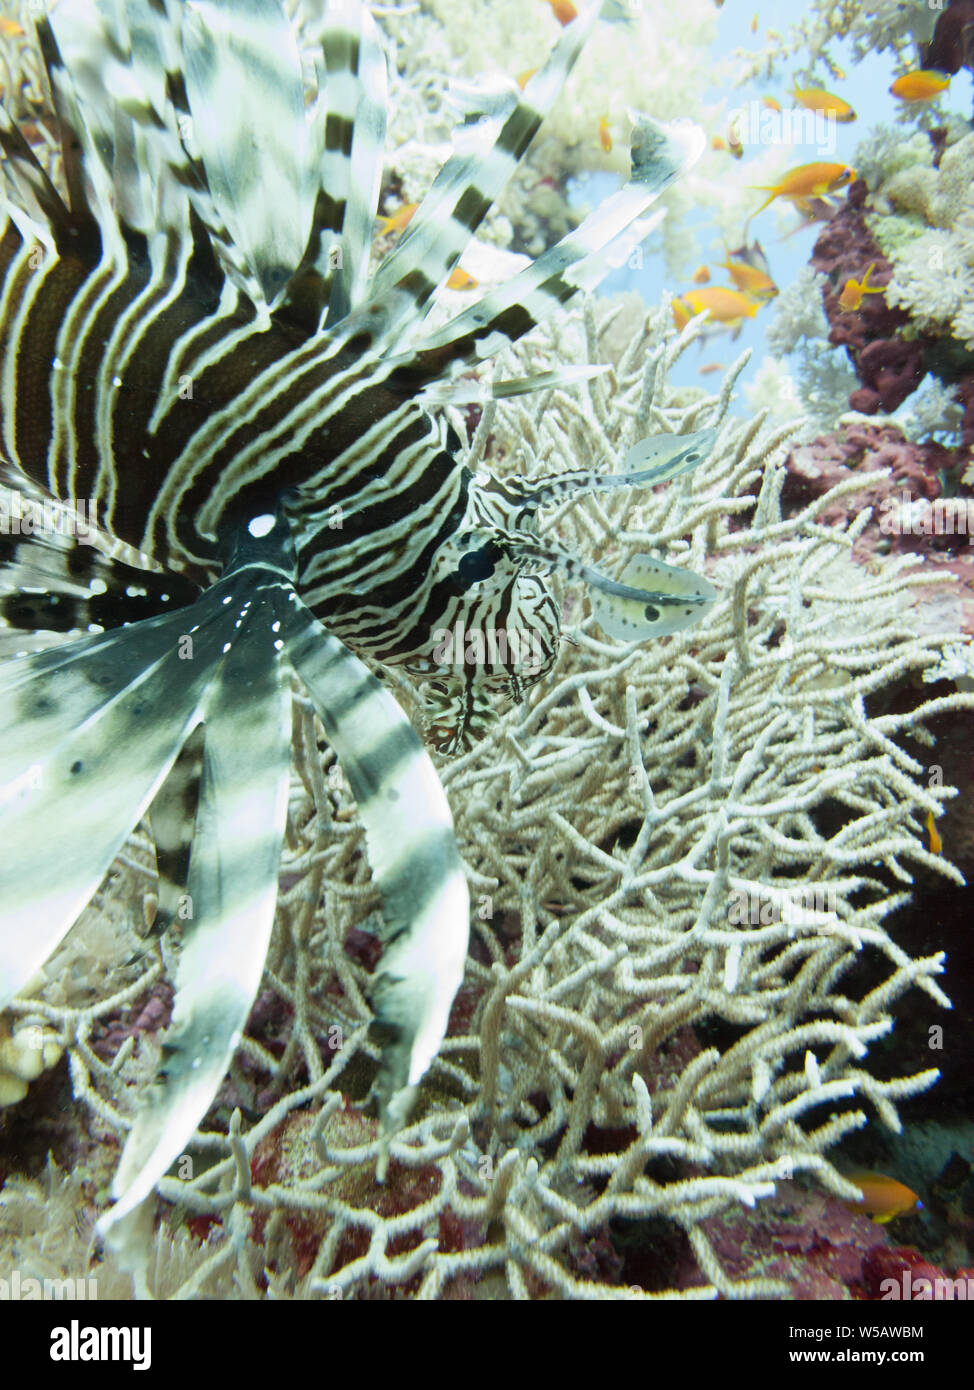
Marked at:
<point>347,141</point>
<point>411,849</point>
<point>247,128</point>
<point>466,391</point>
<point>231,896</point>
<point>500,123</point>
<point>72,707</point>
<point>172,822</point>
<point>124,66</point>
<point>39,209</point>
<point>660,153</point>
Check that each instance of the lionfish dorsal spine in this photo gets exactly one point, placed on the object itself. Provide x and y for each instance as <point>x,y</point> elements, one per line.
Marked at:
<point>191,340</point>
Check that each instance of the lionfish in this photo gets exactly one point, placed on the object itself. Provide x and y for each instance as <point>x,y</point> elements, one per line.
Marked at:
<point>192,342</point>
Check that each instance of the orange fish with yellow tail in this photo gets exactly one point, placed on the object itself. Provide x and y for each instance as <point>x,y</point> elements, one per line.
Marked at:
<point>922,85</point>
<point>853,291</point>
<point>398,220</point>
<point>726,307</point>
<point>816,99</point>
<point>807,181</point>
<point>883,1198</point>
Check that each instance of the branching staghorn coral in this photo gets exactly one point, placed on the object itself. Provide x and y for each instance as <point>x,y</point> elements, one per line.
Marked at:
<point>645,846</point>
<point>897,26</point>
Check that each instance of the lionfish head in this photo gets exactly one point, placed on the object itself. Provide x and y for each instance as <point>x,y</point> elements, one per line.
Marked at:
<point>193,335</point>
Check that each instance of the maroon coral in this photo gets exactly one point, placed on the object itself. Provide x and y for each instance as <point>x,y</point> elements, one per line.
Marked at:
<point>845,250</point>
<point>891,369</point>
<point>889,363</point>
<point>952,45</point>
<point>863,450</point>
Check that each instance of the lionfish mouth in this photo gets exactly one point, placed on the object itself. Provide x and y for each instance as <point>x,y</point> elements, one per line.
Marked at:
<point>199,288</point>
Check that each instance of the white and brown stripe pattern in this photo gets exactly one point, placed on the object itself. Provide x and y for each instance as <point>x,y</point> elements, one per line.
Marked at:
<point>190,341</point>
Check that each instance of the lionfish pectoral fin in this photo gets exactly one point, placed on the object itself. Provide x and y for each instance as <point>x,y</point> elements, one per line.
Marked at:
<point>63,798</point>
<point>412,851</point>
<point>231,892</point>
<point>172,821</point>
<point>651,599</point>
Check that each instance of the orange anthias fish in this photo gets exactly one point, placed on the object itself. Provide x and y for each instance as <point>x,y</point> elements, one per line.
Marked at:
<point>701,275</point>
<point>563,10</point>
<point>936,844</point>
<point>771,103</point>
<point>748,268</point>
<point>815,99</point>
<point>727,307</point>
<point>751,280</point>
<point>807,181</point>
<point>816,209</point>
<point>853,291</point>
<point>922,85</point>
<point>460,280</point>
<point>882,1197</point>
<point>10,29</point>
<point>605,135</point>
<point>399,219</point>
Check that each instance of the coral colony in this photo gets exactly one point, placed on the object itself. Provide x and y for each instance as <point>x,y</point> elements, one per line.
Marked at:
<point>688,735</point>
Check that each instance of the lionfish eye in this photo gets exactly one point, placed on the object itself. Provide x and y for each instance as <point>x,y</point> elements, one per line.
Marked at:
<point>477,564</point>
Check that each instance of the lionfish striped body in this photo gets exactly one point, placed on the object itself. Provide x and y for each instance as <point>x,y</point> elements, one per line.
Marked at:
<point>192,345</point>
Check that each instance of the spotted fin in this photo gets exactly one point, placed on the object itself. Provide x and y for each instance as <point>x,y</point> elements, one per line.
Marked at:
<point>667,456</point>
<point>52,585</point>
<point>650,599</point>
<point>172,821</point>
<point>73,707</point>
<point>663,456</point>
<point>231,892</point>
